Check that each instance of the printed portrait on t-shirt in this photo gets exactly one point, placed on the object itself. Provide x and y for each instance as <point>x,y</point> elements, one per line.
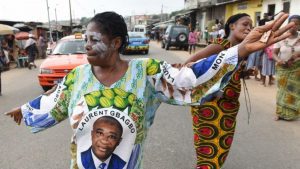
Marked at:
<point>108,127</point>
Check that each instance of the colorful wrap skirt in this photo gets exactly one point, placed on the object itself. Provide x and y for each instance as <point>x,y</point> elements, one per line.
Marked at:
<point>288,92</point>
<point>214,125</point>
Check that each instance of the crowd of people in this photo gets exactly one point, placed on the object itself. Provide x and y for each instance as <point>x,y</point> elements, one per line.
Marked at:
<point>21,53</point>
<point>111,102</point>
<point>14,48</point>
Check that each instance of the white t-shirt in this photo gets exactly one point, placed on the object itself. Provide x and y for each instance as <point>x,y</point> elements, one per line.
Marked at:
<point>221,33</point>
<point>287,46</point>
<point>214,34</point>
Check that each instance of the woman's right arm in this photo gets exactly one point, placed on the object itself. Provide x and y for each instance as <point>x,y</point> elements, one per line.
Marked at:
<point>275,56</point>
<point>46,110</point>
<point>206,52</point>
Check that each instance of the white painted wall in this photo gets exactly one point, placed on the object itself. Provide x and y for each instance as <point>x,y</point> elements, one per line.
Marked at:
<point>191,4</point>
<point>294,9</point>
<point>294,6</point>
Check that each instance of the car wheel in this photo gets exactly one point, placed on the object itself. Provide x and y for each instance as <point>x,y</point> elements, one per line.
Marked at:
<point>146,52</point>
<point>46,88</point>
<point>182,37</point>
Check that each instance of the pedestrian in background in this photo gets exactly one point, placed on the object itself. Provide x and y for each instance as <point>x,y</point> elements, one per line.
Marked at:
<point>259,54</point>
<point>12,49</point>
<point>254,62</point>
<point>3,64</point>
<point>31,49</point>
<point>214,34</point>
<point>265,19</point>
<point>198,34</point>
<point>206,35</point>
<point>193,38</point>
<point>5,49</point>
<point>157,35</point>
<point>268,66</point>
<point>221,33</point>
<point>42,46</point>
<point>287,55</point>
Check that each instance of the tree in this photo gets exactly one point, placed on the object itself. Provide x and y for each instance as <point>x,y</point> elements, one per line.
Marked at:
<point>174,13</point>
<point>84,20</point>
<point>156,17</point>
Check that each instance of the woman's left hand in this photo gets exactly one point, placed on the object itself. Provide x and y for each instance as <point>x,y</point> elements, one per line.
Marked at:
<point>252,41</point>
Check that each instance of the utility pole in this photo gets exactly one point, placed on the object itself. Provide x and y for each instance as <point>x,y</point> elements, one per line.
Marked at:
<point>71,27</point>
<point>94,12</point>
<point>161,13</point>
<point>50,30</point>
<point>56,24</point>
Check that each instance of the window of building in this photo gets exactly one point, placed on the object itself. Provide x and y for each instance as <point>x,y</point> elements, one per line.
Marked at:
<point>241,6</point>
<point>271,9</point>
<point>286,7</point>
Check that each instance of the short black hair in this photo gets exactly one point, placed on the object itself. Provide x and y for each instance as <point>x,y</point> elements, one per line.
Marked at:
<point>113,25</point>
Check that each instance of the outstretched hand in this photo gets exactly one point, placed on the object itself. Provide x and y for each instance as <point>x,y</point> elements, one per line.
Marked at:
<point>252,41</point>
<point>16,114</point>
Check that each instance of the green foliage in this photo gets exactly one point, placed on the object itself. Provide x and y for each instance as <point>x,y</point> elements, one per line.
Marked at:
<point>156,17</point>
<point>84,20</point>
<point>174,13</point>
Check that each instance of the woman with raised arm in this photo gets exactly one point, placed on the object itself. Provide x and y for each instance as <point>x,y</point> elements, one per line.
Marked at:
<point>218,113</point>
<point>214,121</point>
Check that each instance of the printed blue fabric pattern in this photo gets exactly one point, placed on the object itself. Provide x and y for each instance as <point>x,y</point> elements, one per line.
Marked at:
<point>203,66</point>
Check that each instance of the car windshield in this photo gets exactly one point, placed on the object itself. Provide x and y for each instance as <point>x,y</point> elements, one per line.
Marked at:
<point>135,35</point>
<point>70,47</point>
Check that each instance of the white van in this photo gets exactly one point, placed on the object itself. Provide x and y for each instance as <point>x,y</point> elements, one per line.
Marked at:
<point>140,28</point>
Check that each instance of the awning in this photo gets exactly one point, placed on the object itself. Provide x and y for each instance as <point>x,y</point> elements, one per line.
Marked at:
<point>23,27</point>
<point>163,25</point>
<point>186,12</point>
<point>223,2</point>
<point>165,22</point>
<point>6,29</point>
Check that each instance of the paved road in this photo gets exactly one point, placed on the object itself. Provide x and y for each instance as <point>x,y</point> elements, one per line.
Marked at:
<point>261,144</point>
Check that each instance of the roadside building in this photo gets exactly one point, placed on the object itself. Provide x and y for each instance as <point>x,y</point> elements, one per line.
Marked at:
<point>272,7</point>
<point>209,13</point>
<point>252,8</point>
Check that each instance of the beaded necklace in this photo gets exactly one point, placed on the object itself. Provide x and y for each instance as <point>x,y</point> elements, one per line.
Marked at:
<point>292,46</point>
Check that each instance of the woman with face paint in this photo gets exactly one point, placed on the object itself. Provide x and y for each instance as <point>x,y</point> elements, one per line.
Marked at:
<point>129,91</point>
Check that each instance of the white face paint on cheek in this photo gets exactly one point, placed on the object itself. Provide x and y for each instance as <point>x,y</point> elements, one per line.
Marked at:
<point>95,40</point>
<point>100,48</point>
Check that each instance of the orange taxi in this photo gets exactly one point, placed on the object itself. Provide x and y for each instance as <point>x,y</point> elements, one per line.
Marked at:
<point>68,53</point>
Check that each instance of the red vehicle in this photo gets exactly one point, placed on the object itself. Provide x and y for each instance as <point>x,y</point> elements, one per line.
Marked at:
<point>68,53</point>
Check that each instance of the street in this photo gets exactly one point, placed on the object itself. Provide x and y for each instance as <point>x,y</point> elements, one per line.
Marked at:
<point>261,144</point>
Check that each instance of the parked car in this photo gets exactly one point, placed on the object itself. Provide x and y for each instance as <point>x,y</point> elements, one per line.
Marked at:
<point>138,42</point>
<point>175,36</point>
<point>68,53</point>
